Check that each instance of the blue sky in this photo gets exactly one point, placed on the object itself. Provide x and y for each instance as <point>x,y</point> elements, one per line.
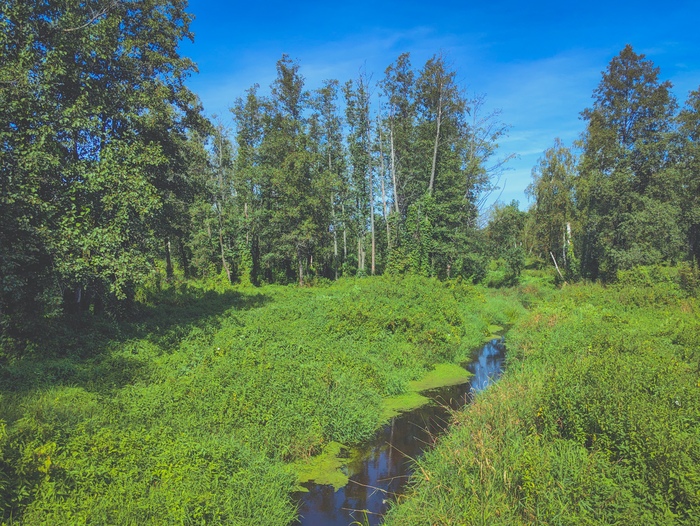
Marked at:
<point>538,62</point>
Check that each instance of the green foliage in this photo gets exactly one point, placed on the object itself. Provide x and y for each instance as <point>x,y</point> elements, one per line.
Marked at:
<point>549,224</point>
<point>189,414</point>
<point>93,150</point>
<point>504,234</point>
<point>689,161</point>
<point>418,241</point>
<point>628,196</point>
<point>594,422</point>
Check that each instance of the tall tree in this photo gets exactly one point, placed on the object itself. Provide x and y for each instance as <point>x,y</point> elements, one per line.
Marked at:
<point>357,99</point>
<point>94,118</point>
<point>552,213</point>
<point>441,107</point>
<point>689,161</point>
<point>252,188</point>
<point>331,144</point>
<point>214,232</point>
<point>442,138</point>
<point>398,87</point>
<point>289,163</point>
<point>625,189</point>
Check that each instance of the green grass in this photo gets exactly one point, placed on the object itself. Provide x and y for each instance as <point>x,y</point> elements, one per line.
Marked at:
<point>596,420</point>
<point>191,412</point>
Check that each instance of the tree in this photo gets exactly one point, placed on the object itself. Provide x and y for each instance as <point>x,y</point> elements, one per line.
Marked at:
<point>689,167</point>
<point>333,153</point>
<point>504,234</point>
<point>357,111</point>
<point>626,188</point>
<point>440,105</point>
<point>94,117</point>
<point>289,163</point>
<point>252,189</point>
<point>552,213</point>
<point>444,139</point>
<point>398,86</point>
<point>441,163</point>
<point>215,217</point>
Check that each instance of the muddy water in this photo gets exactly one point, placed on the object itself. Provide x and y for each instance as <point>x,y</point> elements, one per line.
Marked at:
<point>384,464</point>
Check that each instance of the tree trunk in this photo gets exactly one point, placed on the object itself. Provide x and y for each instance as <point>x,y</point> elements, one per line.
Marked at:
<point>168,261</point>
<point>435,147</point>
<point>393,168</point>
<point>183,257</point>
<point>224,263</point>
<point>335,239</point>
<point>557,267</point>
<point>384,212</point>
<point>301,267</point>
<point>345,234</point>
<point>371,202</point>
<point>360,261</point>
<point>335,225</point>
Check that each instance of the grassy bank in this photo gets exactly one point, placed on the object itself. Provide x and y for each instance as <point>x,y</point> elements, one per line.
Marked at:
<point>193,412</point>
<point>596,420</point>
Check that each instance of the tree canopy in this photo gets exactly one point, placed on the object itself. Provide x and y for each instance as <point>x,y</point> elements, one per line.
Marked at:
<point>111,175</point>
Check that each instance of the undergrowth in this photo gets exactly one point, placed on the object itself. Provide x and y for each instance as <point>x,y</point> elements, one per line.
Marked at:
<point>190,413</point>
<point>596,420</point>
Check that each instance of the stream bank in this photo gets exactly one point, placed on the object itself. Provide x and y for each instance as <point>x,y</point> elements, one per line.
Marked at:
<point>379,469</point>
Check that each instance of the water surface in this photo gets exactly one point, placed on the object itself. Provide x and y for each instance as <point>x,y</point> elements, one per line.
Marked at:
<point>384,464</point>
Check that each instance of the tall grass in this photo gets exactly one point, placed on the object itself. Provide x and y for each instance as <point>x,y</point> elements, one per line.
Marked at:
<point>596,420</point>
<point>188,413</point>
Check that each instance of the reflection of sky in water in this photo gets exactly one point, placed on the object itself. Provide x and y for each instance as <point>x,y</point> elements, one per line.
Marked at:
<point>488,365</point>
<point>385,466</point>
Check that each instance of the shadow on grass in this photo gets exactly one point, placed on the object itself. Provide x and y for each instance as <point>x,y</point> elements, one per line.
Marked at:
<point>85,350</point>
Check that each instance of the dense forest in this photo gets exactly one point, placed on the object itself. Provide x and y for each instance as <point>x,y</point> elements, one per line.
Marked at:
<point>145,250</point>
<point>111,172</point>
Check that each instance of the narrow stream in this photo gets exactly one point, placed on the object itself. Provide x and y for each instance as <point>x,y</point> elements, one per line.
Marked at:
<point>384,465</point>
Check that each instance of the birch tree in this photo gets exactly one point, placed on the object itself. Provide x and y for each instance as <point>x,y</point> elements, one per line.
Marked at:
<point>357,98</point>
<point>552,214</point>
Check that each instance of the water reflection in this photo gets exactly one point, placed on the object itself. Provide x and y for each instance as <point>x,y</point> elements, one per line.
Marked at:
<point>487,366</point>
<point>385,464</point>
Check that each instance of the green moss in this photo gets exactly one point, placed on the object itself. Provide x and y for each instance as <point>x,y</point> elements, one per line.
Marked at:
<point>495,331</point>
<point>394,405</point>
<point>443,374</point>
<point>324,468</point>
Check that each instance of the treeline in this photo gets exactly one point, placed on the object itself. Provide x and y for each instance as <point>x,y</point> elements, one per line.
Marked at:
<point>632,197</point>
<point>390,182</point>
<point>111,175</point>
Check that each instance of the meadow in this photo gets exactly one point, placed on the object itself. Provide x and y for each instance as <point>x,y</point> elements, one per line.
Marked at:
<point>206,405</point>
<point>194,411</point>
<point>594,422</point>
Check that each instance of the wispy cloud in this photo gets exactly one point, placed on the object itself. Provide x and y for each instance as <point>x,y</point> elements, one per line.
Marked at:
<point>539,68</point>
<point>230,73</point>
